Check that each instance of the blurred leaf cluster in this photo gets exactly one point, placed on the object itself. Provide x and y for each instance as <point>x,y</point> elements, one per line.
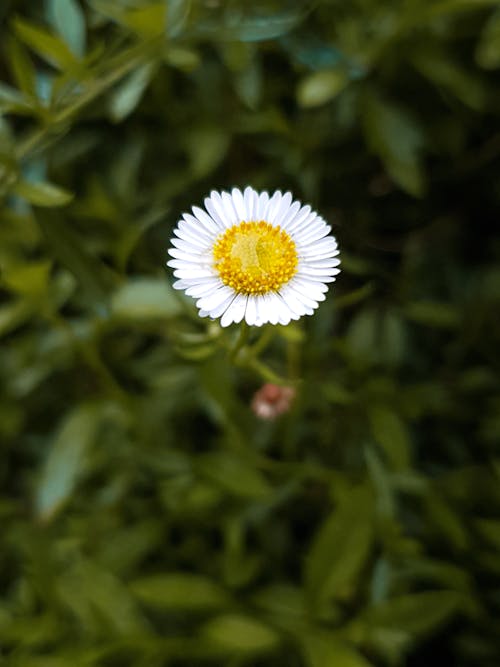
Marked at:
<point>149,519</point>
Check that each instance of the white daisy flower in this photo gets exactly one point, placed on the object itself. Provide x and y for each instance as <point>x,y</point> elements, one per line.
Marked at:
<point>254,257</point>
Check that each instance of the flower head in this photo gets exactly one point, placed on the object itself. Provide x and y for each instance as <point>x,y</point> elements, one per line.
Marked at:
<point>254,257</point>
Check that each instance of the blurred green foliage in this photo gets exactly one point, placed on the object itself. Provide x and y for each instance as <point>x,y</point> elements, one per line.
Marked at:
<point>148,517</point>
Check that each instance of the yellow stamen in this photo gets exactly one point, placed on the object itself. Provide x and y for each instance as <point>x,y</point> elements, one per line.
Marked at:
<point>255,257</point>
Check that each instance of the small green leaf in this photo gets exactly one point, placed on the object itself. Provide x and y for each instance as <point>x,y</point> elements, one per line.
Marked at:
<point>177,15</point>
<point>68,19</point>
<point>66,460</point>
<point>414,614</point>
<point>128,94</point>
<point>66,245</point>
<point>340,548</point>
<point>234,474</point>
<point>207,147</point>
<point>148,20</point>
<point>238,633</point>
<point>179,591</point>
<point>433,314</point>
<point>240,25</point>
<point>321,87</point>
<point>443,70</point>
<point>488,49</point>
<point>144,298</point>
<point>45,44</point>
<point>22,67</point>
<point>323,650</point>
<point>394,134</point>
<point>12,101</point>
<point>14,314</point>
<point>391,434</point>
<point>42,194</point>
<point>30,278</point>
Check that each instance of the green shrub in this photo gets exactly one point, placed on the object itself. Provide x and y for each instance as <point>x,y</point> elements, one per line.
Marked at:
<point>149,518</point>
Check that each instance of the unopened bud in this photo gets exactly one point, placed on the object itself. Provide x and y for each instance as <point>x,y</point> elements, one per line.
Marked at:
<point>272,400</point>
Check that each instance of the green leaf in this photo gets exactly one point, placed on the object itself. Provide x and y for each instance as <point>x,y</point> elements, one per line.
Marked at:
<point>12,101</point>
<point>207,148</point>
<point>66,459</point>
<point>394,134</point>
<point>13,315</point>
<point>237,633</point>
<point>42,194</point>
<point>128,94</point>
<point>414,614</point>
<point>177,15</point>
<point>22,67</point>
<point>29,279</point>
<point>179,591</point>
<point>234,474</point>
<point>144,299</point>
<point>433,314</point>
<point>148,21</point>
<point>488,48</point>
<point>443,70</point>
<point>340,549</point>
<point>45,44</point>
<point>68,19</point>
<point>321,87</point>
<point>323,650</point>
<point>489,529</point>
<point>66,246</point>
<point>391,434</point>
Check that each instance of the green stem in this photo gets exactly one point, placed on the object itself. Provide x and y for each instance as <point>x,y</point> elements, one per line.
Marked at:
<point>263,341</point>
<point>240,341</point>
<point>265,372</point>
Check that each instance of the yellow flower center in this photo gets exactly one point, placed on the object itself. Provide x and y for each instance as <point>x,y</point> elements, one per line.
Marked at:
<point>255,257</point>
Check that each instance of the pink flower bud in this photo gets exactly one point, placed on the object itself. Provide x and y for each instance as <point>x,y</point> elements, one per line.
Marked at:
<point>272,400</point>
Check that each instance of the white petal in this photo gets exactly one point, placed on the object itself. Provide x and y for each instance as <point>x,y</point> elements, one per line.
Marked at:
<point>251,311</point>
<point>289,215</point>
<point>190,237</point>
<point>308,223</point>
<point>216,209</point>
<point>223,306</point>
<point>230,211</point>
<point>285,313</point>
<point>273,207</point>
<point>262,206</point>
<point>194,273</point>
<point>283,208</point>
<point>235,312</point>
<point>321,263</point>
<point>251,200</point>
<point>195,227</point>
<point>184,264</point>
<point>307,290</point>
<point>189,256</point>
<point>311,232</point>
<point>187,246</point>
<point>208,286</point>
<point>208,222</point>
<point>215,298</point>
<point>239,204</point>
<point>320,250</point>
<point>293,223</point>
<point>272,306</point>
<point>180,284</point>
<point>291,300</point>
